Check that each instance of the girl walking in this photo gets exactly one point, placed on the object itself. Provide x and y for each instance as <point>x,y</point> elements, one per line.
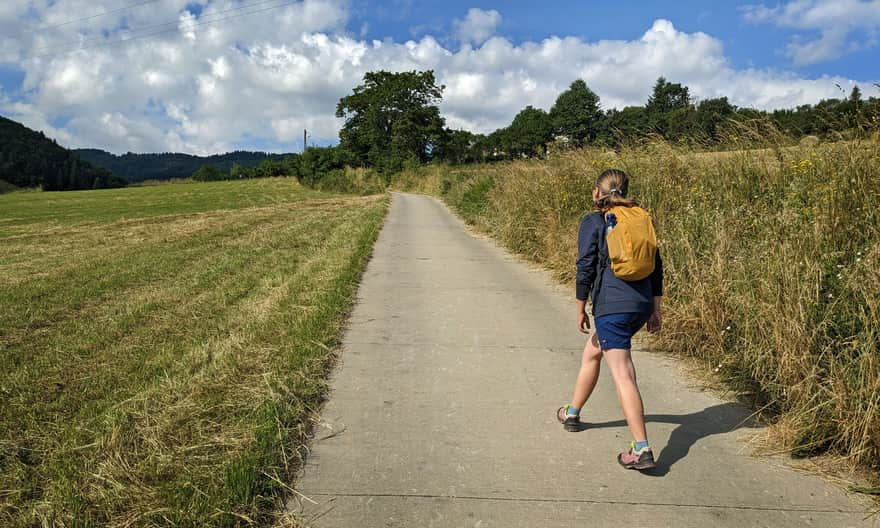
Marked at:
<point>620,309</point>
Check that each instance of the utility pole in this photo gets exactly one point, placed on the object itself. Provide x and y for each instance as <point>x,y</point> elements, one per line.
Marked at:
<point>305,131</point>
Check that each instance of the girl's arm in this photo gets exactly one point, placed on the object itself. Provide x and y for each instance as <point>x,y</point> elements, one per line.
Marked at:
<point>656,320</point>
<point>583,318</point>
<point>657,277</point>
<point>588,255</point>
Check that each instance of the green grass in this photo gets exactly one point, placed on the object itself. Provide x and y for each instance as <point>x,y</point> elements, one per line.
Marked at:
<point>108,205</point>
<point>164,347</point>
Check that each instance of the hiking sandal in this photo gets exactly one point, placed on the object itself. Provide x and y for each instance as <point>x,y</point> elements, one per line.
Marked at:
<point>637,460</point>
<point>571,423</point>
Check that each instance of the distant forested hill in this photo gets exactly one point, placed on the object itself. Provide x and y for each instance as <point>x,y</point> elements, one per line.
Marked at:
<point>30,159</point>
<point>140,167</point>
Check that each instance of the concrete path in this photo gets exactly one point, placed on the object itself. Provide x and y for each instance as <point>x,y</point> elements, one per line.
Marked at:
<point>442,411</point>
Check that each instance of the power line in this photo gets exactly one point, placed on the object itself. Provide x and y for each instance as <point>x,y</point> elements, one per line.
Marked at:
<point>105,13</point>
<point>170,26</point>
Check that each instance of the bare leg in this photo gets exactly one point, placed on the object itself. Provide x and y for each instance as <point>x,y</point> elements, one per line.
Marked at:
<point>589,373</point>
<point>624,374</point>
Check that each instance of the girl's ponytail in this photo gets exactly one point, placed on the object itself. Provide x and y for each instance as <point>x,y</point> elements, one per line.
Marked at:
<point>613,184</point>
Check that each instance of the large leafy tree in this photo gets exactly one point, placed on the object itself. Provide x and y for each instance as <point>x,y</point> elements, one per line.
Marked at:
<point>667,97</point>
<point>667,107</point>
<point>711,115</point>
<point>316,162</point>
<point>208,173</point>
<point>576,114</point>
<point>458,146</point>
<point>625,125</point>
<point>495,146</point>
<point>529,133</point>
<point>392,118</point>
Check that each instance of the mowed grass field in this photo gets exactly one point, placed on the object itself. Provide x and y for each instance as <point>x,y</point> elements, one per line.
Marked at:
<point>163,348</point>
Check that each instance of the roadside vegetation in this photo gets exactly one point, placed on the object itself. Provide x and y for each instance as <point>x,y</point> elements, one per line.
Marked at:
<point>393,123</point>
<point>164,347</point>
<point>772,258</point>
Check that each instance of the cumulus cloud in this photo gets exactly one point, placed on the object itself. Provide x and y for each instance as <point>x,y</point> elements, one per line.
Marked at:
<point>477,26</point>
<point>264,78</point>
<point>843,26</point>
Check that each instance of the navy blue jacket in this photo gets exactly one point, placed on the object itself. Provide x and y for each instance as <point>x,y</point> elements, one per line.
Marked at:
<point>594,276</point>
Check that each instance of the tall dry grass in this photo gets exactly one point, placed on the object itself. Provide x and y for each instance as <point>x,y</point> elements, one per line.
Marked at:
<point>772,261</point>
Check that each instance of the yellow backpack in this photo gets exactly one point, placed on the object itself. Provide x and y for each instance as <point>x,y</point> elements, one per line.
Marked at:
<point>632,243</point>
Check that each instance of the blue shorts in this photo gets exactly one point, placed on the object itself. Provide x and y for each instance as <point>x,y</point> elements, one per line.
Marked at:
<point>616,330</point>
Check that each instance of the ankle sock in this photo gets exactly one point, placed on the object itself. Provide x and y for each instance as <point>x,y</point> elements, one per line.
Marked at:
<point>572,411</point>
<point>640,446</point>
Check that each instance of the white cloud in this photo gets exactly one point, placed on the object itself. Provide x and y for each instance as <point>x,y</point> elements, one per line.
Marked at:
<point>478,25</point>
<point>843,26</point>
<point>263,78</point>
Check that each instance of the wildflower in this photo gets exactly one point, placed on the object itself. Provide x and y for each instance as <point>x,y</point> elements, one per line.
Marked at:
<point>859,259</point>
<point>839,266</point>
<point>728,327</point>
<point>830,295</point>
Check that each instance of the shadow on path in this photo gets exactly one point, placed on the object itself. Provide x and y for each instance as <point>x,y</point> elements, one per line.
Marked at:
<point>718,419</point>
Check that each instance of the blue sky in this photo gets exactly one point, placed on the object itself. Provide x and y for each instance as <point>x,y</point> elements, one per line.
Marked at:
<point>746,44</point>
<point>256,80</point>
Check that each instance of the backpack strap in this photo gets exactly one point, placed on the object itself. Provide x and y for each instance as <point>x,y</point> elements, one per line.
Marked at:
<point>604,261</point>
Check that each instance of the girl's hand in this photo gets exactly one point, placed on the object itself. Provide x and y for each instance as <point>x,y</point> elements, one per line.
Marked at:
<point>655,322</point>
<point>583,322</point>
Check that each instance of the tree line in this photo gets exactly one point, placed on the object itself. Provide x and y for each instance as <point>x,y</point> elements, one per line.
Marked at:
<point>392,120</point>
<point>164,166</point>
<point>267,168</point>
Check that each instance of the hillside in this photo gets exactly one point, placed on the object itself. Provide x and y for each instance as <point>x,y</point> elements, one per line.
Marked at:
<point>6,187</point>
<point>165,166</point>
<point>30,159</point>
